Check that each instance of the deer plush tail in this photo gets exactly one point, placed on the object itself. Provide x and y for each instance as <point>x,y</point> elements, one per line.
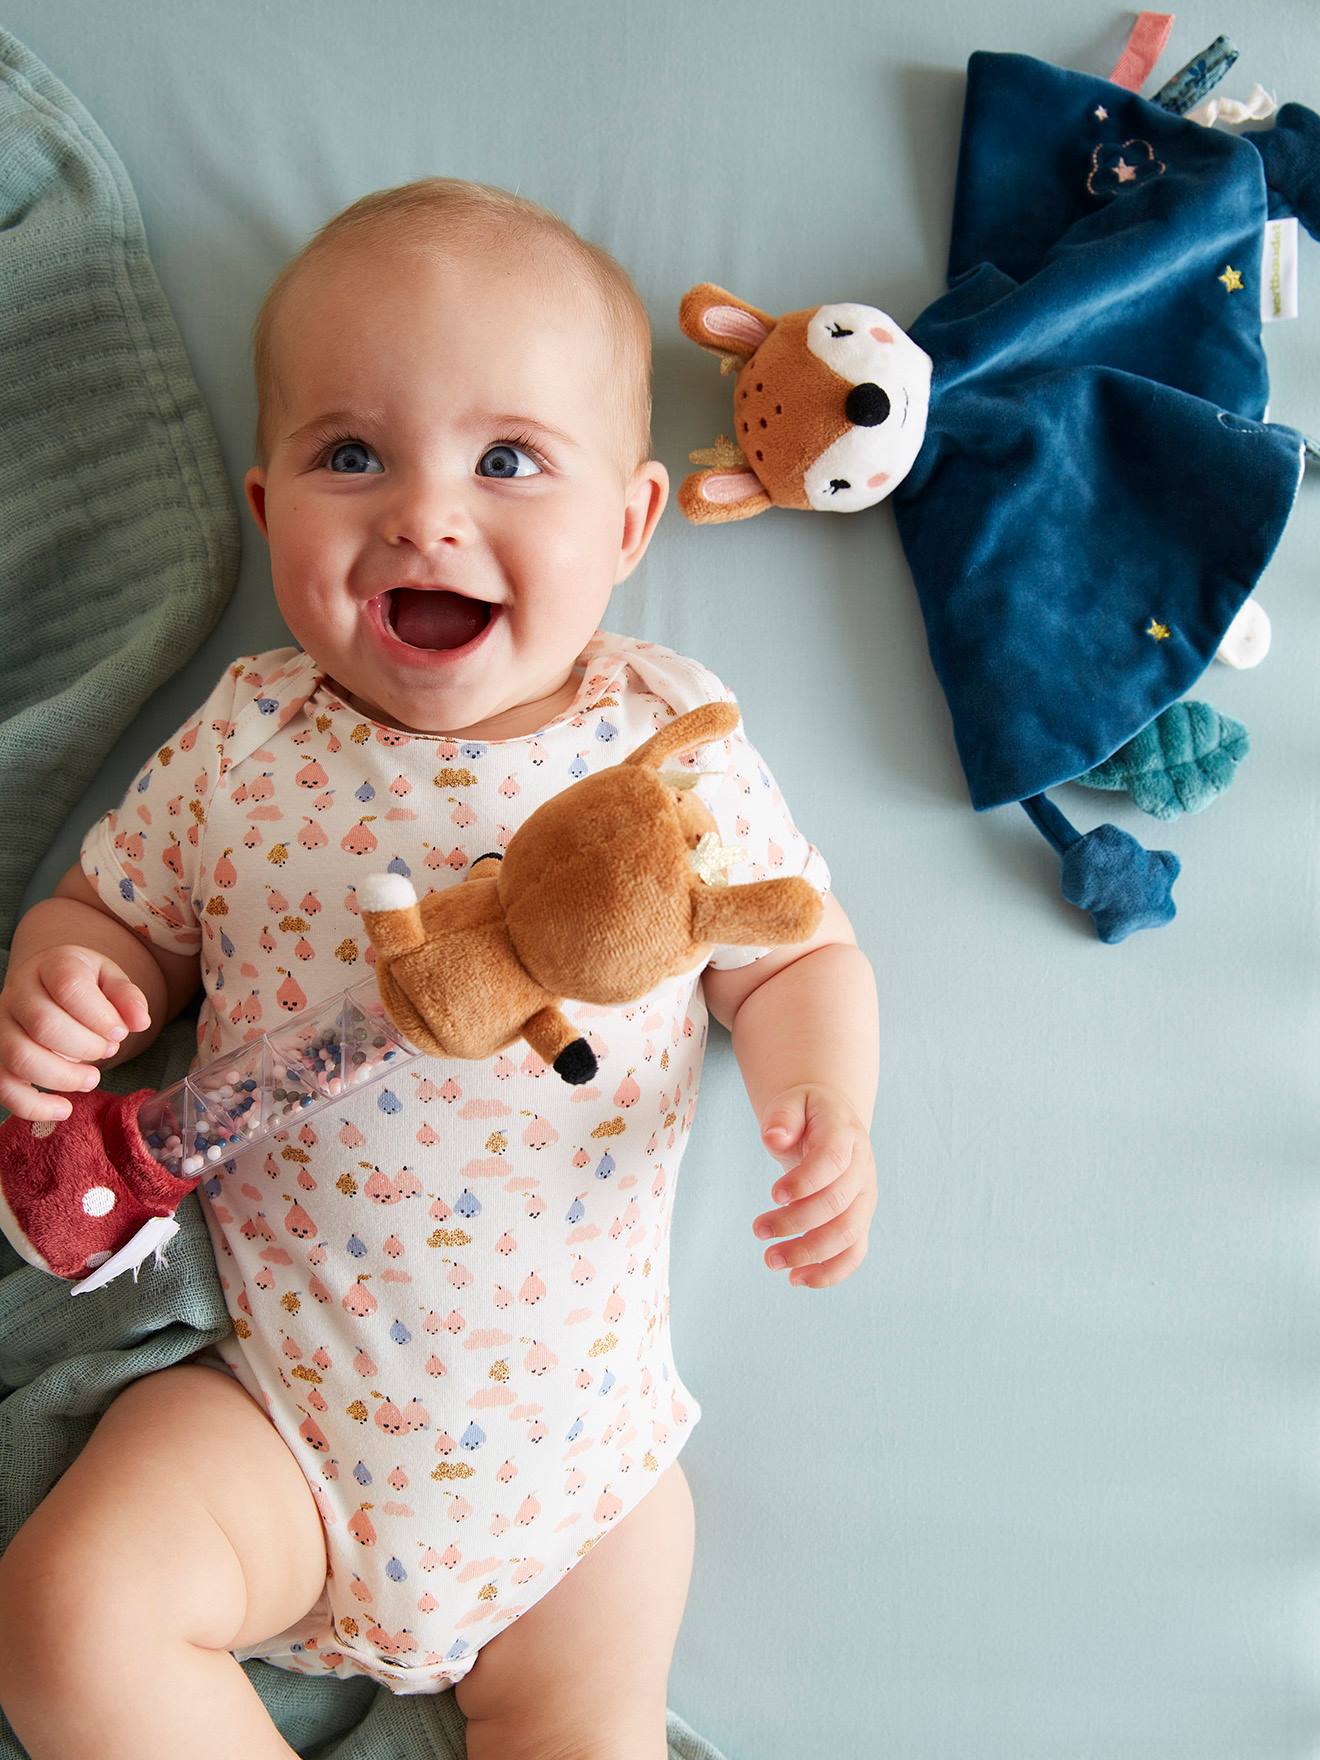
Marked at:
<point>685,733</point>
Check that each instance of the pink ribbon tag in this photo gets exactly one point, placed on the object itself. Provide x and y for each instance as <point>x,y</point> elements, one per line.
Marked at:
<point>1145,45</point>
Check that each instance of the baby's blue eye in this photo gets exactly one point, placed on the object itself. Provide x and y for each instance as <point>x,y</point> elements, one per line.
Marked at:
<point>503,461</point>
<point>353,455</point>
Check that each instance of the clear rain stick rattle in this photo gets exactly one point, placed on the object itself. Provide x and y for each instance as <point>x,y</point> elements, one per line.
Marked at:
<point>272,1083</point>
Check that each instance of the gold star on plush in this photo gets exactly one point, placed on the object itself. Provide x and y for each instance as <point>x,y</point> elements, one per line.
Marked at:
<point>710,858</point>
<point>1231,278</point>
<point>1100,113</point>
<point>1124,172</point>
<point>1159,631</point>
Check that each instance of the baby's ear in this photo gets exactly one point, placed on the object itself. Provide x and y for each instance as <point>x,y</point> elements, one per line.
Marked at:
<point>717,494</point>
<point>714,318</point>
<point>254,488</point>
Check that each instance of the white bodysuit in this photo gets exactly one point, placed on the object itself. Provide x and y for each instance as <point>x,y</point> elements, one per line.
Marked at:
<point>449,1293</point>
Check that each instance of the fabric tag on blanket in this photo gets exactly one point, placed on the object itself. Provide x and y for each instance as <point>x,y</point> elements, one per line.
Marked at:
<point>1278,272</point>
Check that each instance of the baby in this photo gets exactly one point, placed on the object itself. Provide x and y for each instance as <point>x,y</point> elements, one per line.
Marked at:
<point>440,1446</point>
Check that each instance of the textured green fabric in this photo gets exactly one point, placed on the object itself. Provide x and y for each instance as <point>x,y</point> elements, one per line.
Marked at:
<point>119,542</point>
<point>118,548</point>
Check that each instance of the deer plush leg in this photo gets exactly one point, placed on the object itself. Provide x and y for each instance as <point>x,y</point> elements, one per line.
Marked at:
<point>556,1041</point>
<point>391,915</point>
<point>763,913</point>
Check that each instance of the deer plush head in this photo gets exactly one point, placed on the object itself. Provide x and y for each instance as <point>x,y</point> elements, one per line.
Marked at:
<point>829,407</point>
<point>600,896</point>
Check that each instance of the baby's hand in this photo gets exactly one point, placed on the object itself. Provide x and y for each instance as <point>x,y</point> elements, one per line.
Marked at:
<point>830,1192</point>
<point>59,1010</point>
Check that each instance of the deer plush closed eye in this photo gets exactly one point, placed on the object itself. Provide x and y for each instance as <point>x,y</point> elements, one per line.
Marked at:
<point>598,897</point>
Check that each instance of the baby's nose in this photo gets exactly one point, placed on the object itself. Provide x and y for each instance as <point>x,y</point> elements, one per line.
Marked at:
<point>428,533</point>
<point>428,513</point>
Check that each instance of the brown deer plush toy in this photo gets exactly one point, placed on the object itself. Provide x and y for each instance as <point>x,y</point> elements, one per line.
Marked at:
<point>599,897</point>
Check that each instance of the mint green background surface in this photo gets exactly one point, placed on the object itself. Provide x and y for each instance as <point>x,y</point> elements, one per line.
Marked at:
<point>1041,1481</point>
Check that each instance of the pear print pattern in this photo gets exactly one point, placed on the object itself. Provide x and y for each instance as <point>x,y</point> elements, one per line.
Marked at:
<point>449,1293</point>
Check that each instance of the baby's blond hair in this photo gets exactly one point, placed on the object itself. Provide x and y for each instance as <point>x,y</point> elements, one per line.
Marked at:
<point>478,217</point>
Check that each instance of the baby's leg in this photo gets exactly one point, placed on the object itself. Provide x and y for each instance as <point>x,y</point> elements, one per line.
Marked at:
<point>185,1528</point>
<point>584,1673</point>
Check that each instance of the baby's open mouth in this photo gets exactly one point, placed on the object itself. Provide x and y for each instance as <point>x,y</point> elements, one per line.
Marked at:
<point>435,618</point>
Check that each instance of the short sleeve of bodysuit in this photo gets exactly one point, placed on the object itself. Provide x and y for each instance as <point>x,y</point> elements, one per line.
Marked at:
<point>144,858</point>
<point>751,814</point>
<point>754,819</point>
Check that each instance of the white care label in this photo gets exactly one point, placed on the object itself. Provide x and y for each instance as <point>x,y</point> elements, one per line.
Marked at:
<point>1278,270</point>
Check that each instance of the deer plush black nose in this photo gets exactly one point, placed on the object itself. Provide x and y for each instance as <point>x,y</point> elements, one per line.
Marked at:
<point>866,406</point>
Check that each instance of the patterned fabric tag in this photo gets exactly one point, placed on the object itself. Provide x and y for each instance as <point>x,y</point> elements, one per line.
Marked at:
<point>1278,273</point>
<point>1198,79</point>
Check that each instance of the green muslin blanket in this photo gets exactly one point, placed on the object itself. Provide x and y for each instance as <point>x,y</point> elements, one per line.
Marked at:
<point>118,552</point>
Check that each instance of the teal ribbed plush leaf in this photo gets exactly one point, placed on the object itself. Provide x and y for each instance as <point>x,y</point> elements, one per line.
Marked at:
<point>1178,764</point>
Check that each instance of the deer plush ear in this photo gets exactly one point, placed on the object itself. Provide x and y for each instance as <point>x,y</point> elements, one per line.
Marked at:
<point>716,319</point>
<point>720,493</point>
<point>685,733</point>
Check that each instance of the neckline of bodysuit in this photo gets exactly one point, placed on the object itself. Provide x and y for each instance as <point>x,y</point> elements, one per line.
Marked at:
<point>600,675</point>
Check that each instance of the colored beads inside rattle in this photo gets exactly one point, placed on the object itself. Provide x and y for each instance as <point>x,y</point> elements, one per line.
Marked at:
<point>270,1084</point>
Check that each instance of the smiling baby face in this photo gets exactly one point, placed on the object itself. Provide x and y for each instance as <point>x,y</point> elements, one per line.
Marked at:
<point>448,493</point>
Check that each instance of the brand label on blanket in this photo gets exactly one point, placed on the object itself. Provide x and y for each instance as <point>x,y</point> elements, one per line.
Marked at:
<point>1278,270</point>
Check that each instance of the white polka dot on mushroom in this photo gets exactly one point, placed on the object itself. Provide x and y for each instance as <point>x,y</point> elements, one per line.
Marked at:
<point>98,1200</point>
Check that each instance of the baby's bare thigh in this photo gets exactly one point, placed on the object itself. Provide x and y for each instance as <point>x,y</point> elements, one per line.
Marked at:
<point>186,1507</point>
<point>585,1671</point>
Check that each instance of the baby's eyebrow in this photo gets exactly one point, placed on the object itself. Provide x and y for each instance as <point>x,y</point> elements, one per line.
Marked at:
<point>347,418</point>
<point>508,419</point>
<point>336,418</point>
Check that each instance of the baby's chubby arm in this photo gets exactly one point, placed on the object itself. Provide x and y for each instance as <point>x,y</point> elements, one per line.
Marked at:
<point>805,1027</point>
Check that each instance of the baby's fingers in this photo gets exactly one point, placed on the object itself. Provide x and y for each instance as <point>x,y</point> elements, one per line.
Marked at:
<point>96,995</point>
<point>831,1271</point>
<point>26,1066</point>
<point>811,1211</point>
<point>24,1101</point>
<point>839,1243</point>
<point>47,1035</point>
<point>827,1152</point>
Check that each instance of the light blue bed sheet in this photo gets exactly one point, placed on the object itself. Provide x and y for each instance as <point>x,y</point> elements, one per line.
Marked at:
<point>1041,1480</point>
